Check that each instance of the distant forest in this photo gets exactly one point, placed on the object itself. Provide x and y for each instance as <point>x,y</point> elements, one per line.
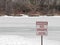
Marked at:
<point>29,7</point>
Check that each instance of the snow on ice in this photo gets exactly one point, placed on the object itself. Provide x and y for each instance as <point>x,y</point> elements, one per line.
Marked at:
<point>20,40</point>
<point>22,21</point>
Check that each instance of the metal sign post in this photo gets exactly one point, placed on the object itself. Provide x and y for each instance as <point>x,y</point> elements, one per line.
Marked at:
<point>41,40</point>
<point>41,29</point>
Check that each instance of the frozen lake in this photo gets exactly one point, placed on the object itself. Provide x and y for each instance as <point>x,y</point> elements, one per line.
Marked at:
<point>22,31</point>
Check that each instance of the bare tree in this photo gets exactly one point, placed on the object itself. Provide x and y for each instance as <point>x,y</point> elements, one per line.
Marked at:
<point>2,7</point>
<point>53,7</point>
<point>8,7</point>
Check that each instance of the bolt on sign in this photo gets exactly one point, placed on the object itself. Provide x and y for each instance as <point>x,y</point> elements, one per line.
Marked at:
<point>41,27</point>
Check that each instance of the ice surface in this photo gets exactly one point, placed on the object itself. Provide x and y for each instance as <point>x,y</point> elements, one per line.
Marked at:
<point>10,21</point>
<point>21,40</point>
<point>28,22</point>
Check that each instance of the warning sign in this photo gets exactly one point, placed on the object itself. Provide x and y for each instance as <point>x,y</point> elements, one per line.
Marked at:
<point>41,27</point>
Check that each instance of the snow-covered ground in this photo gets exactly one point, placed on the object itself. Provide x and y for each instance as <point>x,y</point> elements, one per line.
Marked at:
<point>21,30</point>
<point>21,40</point>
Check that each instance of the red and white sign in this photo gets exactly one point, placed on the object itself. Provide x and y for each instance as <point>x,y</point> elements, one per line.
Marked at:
<point>41,27</point>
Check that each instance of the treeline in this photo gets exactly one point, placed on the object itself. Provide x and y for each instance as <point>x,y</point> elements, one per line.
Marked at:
<point>29,7</point>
